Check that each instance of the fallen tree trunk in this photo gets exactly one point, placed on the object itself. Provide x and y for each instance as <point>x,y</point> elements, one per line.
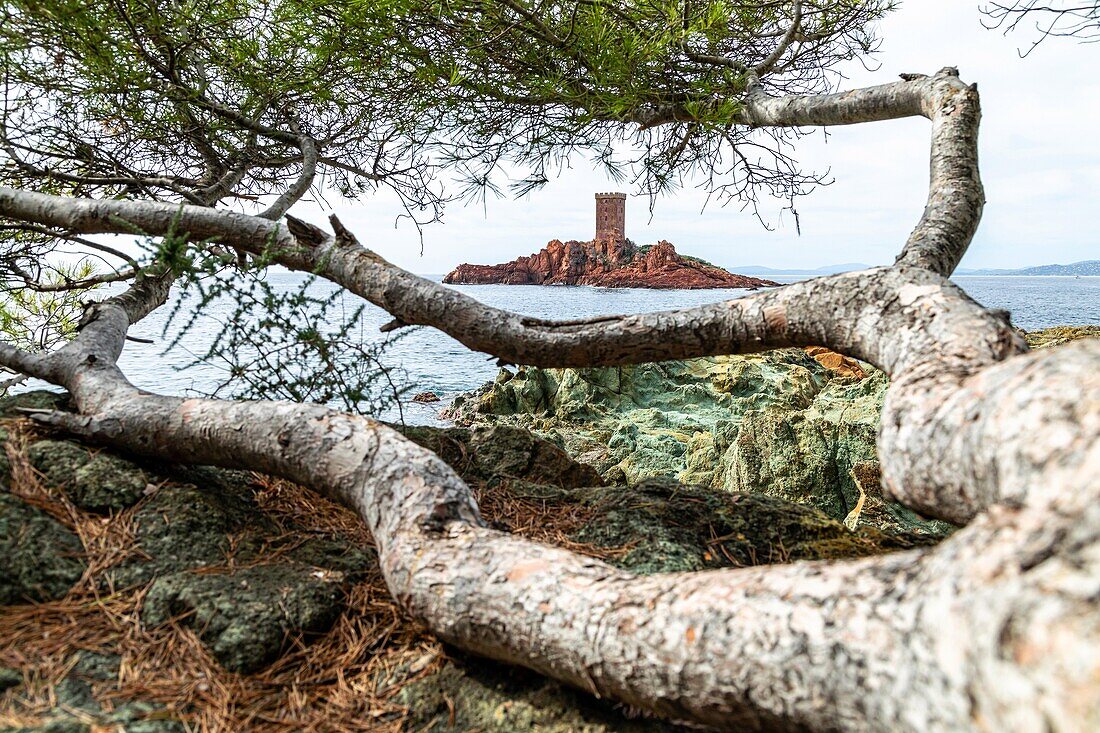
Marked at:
<point>997,628</point>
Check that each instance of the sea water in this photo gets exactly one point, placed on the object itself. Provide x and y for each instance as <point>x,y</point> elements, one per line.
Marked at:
<point>427,360</point>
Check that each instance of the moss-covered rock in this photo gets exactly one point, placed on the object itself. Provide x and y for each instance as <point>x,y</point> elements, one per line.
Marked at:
<point>1059,335</point>
<point>183,527</point>
<point>9,678</point>
<point>503,452</point>
<point>477,695</point>
<point>670,527</point>
<point>98,482</point>
<point>38,399</point>
<point>250,581</point>
<point>41,557</point>
<point>77,703</point>
<point>247,617</point>
<point>345,562</point>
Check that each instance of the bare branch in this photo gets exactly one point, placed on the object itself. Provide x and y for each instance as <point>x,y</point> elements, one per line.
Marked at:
<point>301,186</point>
<point>767,65</point>
<point>716,648</point>
<point>1057,18</point>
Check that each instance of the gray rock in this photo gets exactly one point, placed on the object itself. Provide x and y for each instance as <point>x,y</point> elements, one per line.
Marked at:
<point>9,678</point>
<point>38,399</point>
<point>180,528</point>
<point>101,483</point>
<point>246,618</point>
<point>41,557</point>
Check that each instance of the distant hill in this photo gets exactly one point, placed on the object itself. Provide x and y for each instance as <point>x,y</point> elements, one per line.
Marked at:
<point>1084,267</point>
<point>770,272</point>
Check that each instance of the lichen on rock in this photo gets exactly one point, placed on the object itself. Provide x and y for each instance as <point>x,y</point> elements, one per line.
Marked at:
<point>36,399</point>
<point>96,481</point>
<point>79,709</point>
<point>183,527</point>
<point>248,617</point>
<point>783,423</point>
<point>42,559</point>
<point>477,695</point>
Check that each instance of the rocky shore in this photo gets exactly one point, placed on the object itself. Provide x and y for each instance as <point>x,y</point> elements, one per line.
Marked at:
<point>795,424</point>
<point>609,262</point>
<point>151,598</point>
<point>779,424</point>
<point>155,598</point>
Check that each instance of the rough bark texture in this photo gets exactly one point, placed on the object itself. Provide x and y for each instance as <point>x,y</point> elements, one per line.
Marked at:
<point>995,629</point>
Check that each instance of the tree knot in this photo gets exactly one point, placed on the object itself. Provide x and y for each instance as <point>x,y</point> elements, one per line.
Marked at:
<point>307,234</point>
<point>441,515</point>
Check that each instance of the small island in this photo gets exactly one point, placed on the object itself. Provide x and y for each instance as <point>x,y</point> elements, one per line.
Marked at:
<point>609,260</point>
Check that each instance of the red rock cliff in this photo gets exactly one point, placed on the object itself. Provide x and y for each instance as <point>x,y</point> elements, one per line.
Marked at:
<point>612,263</point>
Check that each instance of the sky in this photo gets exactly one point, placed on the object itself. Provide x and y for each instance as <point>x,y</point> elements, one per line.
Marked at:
<point>1040,162</point>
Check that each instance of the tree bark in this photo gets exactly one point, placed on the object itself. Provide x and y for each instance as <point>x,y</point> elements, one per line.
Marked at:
<point>997,628</point>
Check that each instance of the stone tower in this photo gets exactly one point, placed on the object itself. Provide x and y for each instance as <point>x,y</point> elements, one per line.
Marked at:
<point>611,216</point>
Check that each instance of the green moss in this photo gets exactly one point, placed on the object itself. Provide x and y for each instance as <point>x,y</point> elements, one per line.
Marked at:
<point>477,695</point>
<point>670,527</point>
<point>100,482</point>
<point>41,557</point>
<point>183,527</point>
<point>247,617</point>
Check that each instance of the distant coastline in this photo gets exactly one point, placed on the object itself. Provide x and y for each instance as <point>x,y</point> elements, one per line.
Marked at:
<point>1084,268</point>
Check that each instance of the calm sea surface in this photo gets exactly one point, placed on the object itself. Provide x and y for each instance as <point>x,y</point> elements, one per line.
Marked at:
<point>428,360</point>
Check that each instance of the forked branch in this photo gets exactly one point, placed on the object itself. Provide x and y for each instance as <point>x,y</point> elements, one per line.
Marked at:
<point>808,646</point>
<point>995,628</point>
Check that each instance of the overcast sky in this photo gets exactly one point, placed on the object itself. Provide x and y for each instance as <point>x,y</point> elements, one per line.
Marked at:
<point>1040,161</point>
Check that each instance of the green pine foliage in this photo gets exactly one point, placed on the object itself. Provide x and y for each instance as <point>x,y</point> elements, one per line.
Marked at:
<point>209,102</point>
